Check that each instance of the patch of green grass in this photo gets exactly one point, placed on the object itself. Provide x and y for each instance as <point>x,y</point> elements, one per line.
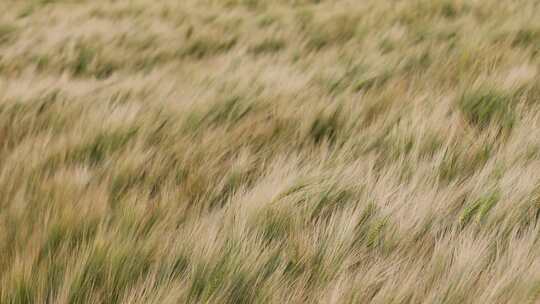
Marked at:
<point>97,149</point>
<point>392,146</point>
<point>180,265</point>
<point>83,59</point>
<point>424,11</point>
<point>223,274</point>
<point>222,113</point>
<point>416,63</point>
<point>482,108</point>
<point>451,9</point>
<point>203,47</point>
<point>326,126</point>
<point>105,69</point>
<point>110,272</point>
<point>430,144</point>
<point>28,118</point>
<point>460,165</point>
<point>68,233</point>
<point>375,233</point>
<point>526,37</point>
<point>250,4</point>
<point>479,208</point>
<point>366,82</point>
<point>233,180</point>
<point>41,61</point>
<point>369,230</point>
<point>7,33</point>
<point>148,63</point>
<point>23,293</point>
<point>386,46</point>
<point>336,30</point>
<point>450,167</point>
<point>267,46</point>
<point>266,21</point>
<point>355,78</point>
<point>133,222</point>
<point>327,200</point>
<point>486,204</point>
<point>55,273</point>
<point>88,62</point>
<point>375,109</point>
<point>274,224</point>
<point>90,278</point>
<point>125,179</point>
<point>26,11</point>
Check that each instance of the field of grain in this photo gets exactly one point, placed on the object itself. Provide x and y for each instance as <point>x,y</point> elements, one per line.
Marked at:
<point>286,151</point>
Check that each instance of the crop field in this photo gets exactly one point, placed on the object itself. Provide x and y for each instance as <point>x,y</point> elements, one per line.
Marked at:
<point>286,151</point>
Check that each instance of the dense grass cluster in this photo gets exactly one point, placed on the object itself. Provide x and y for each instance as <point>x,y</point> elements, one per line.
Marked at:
<point>288,151</point>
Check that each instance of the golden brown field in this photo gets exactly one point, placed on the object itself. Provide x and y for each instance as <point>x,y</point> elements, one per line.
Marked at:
<point>287,151</point>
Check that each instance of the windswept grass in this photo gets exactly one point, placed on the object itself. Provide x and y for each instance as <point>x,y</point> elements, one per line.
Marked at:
<point>252,151</point>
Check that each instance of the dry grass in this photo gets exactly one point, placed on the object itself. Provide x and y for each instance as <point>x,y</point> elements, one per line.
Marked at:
<point>250,151</point>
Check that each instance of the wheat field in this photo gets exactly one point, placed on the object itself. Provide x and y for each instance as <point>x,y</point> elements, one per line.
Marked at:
<point>286,151</point>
